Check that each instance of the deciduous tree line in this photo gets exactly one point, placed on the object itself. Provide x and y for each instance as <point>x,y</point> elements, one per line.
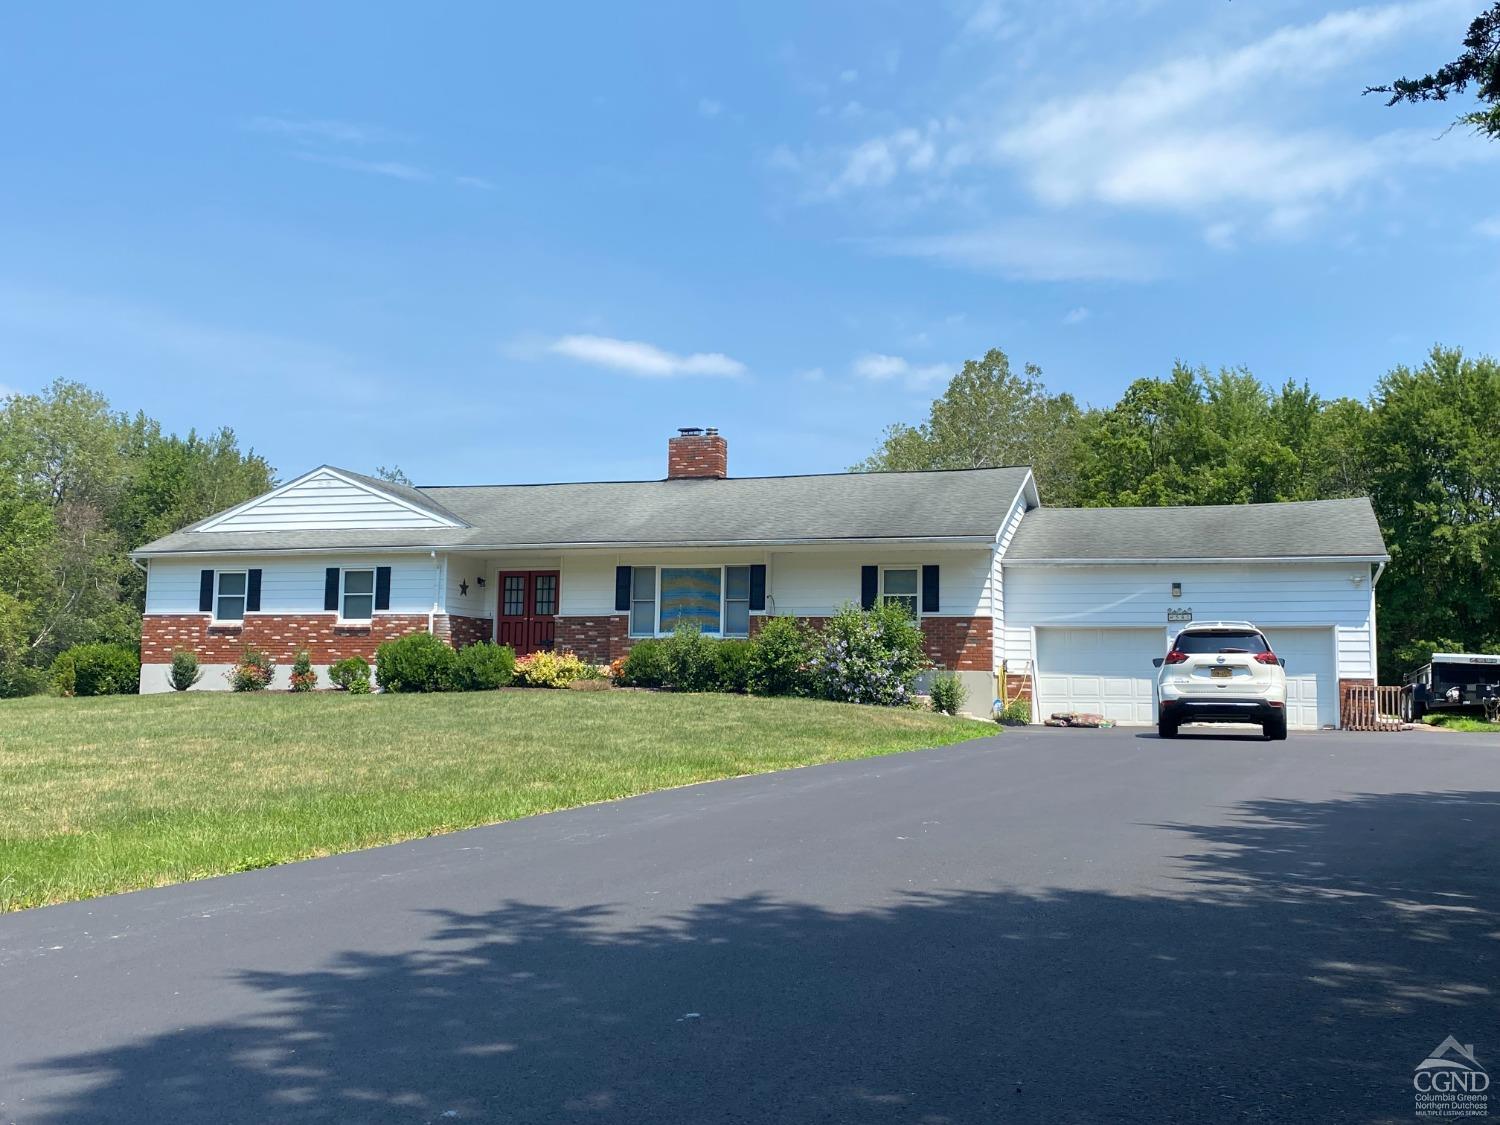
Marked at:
<point>80,485</point>
<point>1425,447</point>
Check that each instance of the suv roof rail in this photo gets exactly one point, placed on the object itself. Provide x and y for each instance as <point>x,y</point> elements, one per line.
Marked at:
<point>1218,624</point>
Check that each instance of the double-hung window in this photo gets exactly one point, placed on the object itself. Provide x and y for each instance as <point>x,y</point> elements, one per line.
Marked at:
<point>715,600</point>
<point>357,599</point>
<point>899,587</point>
<point>229,596</point>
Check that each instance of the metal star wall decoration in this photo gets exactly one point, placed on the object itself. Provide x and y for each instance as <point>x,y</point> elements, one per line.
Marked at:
<point>463,588</point>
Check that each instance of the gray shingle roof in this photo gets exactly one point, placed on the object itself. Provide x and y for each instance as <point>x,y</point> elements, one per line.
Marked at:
<point>945,504</point>
<point>1306,529</point>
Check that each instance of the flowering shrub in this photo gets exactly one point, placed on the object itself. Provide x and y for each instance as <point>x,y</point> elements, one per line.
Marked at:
<point>303,676</point>
<point>254,671</point>
<point>351,674</point>
<point>617,670</point>
<point>550,669</point>
<point>869,656</point>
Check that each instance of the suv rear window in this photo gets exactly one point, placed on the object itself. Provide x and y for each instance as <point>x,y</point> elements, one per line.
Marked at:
<point>1220,640</point>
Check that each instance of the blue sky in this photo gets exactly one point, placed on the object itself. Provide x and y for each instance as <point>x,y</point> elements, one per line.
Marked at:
<point>494,243</point>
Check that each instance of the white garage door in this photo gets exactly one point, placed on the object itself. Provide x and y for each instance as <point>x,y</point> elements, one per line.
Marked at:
<point>1312,685</point>
<point>1104,671</point>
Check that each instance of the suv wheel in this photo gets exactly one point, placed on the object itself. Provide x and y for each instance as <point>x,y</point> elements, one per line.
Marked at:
<point>1166,729</point>
<point>1275,729</point>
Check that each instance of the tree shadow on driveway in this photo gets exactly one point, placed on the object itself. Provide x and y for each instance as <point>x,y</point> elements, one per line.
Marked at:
<point>1313,954</point>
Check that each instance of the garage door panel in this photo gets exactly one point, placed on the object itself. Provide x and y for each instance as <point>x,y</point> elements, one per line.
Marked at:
<point>1102,671</point>
<point>1311,676</point>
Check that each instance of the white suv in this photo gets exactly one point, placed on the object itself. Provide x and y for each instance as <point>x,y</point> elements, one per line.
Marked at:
<point>1221,672</point>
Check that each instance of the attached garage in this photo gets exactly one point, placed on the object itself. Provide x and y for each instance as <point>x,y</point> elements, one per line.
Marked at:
<point>1091,596</point>
<point>1101,671</point>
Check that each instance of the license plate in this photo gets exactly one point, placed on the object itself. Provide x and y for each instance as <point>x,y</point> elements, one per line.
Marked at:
<point>1221,673</point>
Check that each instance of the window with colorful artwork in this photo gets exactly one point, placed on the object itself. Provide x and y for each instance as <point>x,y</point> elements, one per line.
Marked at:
<point>712,599</point>
<point>690,598</point>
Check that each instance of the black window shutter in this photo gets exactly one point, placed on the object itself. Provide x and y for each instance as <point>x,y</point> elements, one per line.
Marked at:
<point>331,589</point>
<point>929,589</point>
<point>622,589</point>
<point>205,591</point>
<point>252,591</point>
<point>382,587</point>
<point>869,586</point>
<point>757,587</point>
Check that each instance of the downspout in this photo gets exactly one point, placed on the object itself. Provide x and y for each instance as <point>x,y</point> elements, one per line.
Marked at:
<point>437,587</point>
<point>1374,648</point>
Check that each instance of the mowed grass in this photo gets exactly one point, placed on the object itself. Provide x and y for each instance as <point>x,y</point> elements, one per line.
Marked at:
<point>102,795</point>
<point>1466,723</point>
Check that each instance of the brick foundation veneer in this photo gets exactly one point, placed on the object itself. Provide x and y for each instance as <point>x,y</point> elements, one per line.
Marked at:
<point>961,644</point>
<point>1017,687</point>
<point>597,640</point>
<point>1344,686</point>
<point>281,635</point>
<point>460,631</point>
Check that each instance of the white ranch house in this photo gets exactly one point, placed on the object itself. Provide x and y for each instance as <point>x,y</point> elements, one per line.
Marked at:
<point>1065,606</point>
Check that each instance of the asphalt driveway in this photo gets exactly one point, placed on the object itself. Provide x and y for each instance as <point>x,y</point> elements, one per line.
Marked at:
<point>1051,925</point>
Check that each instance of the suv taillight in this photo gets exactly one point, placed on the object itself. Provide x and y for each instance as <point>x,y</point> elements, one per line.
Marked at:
<point>1265,658</point>
<point>1175,657</point>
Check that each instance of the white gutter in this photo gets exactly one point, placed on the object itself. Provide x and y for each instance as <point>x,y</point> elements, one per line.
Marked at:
<point>437,587</point>
<point>653,545</point>
<point>1379,570</point>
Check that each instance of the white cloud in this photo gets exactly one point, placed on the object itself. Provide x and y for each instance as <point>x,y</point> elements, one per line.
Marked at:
<point>392,169</point>
<point>320,129</point>
<point>1490,227</point>
<point>1076,315</point>
<point>1213,134</point>
<point>811,375</point>
<point>880,368</point>
<point>644,360</point>
<point>708,107</point>
<point>1023,250</point>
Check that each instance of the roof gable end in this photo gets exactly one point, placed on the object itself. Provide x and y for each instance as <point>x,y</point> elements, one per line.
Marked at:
<point>328,499</point>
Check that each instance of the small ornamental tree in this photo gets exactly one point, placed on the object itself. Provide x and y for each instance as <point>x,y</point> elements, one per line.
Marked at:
<point>303,676</point>
<point>254,672</point>
<point>869,656</point>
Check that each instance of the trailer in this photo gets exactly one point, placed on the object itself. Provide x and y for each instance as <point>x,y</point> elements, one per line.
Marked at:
<point>1453,682</point>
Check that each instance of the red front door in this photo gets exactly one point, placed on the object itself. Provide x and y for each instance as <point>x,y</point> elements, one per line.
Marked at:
<point>527,611</point>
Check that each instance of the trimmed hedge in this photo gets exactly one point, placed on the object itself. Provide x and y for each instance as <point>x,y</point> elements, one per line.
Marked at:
<point>416,663</point>
<point>97,669</point>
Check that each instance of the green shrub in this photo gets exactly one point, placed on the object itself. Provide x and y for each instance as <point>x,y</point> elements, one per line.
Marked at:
<point>646,665</point>
<point>779,658</point>
<point>552,669</point>
<point>869,656</point>
<point>692,661</point>
<point>352,674</point>
<point>185,671</point>
<point>254,672</point>
<point>415,663</point>
<point>97,669</point>
<point>482,667</point>
<point>1016,713</point>
<point>734,665</point>
<point>948,693</point>
<point>303,676</point>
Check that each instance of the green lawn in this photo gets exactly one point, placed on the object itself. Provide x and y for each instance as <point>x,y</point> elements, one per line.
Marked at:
<point>101,795</point>
<point>1467,723</point>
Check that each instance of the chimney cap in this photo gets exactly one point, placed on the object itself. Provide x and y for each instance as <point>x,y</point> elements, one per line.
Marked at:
<point>689,431</point>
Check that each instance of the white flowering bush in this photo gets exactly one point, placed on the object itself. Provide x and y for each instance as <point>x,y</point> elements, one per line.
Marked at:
<point>869,656</point>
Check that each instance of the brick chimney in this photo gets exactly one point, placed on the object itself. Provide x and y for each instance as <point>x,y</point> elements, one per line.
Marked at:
<point>697,454</point>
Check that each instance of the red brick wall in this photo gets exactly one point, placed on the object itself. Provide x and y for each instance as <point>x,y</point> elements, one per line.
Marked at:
<point>697,455</point>
<point>961,644</point>
<point>1017,687</point>
<point>597,640</point>
<point>460,631</point>
<point>281,635</point>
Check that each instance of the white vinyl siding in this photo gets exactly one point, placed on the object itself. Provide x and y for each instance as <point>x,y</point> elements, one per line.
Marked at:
<point>289,585</point>
<point>323,500</point>
<point>816,583</point>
